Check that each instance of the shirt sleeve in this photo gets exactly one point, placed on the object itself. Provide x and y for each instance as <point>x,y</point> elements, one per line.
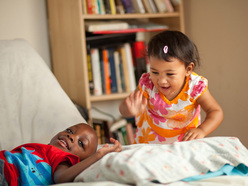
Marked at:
<point>198,85</point>
<point>58,156</point>
<point>145,84</point>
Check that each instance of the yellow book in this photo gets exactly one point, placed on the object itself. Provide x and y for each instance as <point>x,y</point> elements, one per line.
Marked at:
<point>112,6</point>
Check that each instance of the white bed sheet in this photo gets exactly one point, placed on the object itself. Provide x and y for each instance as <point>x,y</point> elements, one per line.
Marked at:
<point>145,164</point>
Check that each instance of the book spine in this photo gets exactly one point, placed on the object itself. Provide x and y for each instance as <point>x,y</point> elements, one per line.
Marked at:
<point>138,50</point>
<point>124,135</point>
<point>113,81</point>
<point>112,7</point>
<point>117,70</point>
<point>125,69</point>
<point>130,67</point>
<point>169,6</point>
<point>128,6</point>
<point>85,7</point>
<point>106,71</point>
<point>119,7</point>
<point>102,71</point>
<point>153,7</point>
<point>96,71</point>
<point>89,6</point>
<point>90,75</point>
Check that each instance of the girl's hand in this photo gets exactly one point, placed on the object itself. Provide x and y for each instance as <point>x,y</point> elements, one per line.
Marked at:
<point>107,148</point>
<point>193,134</point>
<point>136,103</point>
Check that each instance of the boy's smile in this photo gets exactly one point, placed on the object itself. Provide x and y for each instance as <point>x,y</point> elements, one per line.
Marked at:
<point>80,140</point>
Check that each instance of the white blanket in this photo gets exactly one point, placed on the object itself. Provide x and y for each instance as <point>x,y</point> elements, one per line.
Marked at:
<point>144,164</point>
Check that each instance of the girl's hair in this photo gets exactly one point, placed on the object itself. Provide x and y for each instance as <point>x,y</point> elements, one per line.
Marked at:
<point>179,46</point>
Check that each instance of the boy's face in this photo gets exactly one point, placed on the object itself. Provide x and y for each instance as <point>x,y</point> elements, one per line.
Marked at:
<point>80,140</point>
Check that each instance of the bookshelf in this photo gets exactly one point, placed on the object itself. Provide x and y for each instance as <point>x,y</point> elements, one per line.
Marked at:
<point>68,45</point>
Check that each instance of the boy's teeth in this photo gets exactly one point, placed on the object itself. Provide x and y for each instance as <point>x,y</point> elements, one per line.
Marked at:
<point>64,142</point>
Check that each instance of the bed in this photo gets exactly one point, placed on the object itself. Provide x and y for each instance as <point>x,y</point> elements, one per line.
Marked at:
<point>34,107</point>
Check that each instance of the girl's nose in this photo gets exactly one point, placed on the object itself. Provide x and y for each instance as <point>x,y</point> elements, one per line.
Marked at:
<point>162,80</point>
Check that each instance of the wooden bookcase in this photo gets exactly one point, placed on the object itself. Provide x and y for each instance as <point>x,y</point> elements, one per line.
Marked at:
<point>68,45</point>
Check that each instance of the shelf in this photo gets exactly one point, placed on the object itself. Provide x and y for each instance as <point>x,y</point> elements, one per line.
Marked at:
<point>131,16</point>
<point>116,96</point>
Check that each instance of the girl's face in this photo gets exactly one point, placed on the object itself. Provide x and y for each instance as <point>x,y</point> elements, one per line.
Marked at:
<point>79,140</point>
<point>169,77</point>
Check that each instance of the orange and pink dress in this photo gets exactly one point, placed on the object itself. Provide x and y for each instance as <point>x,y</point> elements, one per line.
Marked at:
<point>164,121</point>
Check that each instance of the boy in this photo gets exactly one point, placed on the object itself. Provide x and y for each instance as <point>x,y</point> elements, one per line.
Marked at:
<point>68,154</point>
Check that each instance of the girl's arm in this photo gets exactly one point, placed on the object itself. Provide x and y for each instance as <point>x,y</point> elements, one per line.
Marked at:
<point>214,116</point>
<point>134,104</point>
<point>66,173</point>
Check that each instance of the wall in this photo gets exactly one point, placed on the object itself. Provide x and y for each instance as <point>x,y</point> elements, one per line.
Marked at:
<point>26,19</point>
<point>219,29</point>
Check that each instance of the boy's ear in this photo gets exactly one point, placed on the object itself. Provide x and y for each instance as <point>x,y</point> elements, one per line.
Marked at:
<point>190,68</point>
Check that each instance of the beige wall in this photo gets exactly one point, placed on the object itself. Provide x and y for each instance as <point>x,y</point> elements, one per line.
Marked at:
<point>26,19</point>
<point>220,30</point>
<point>218,27</point>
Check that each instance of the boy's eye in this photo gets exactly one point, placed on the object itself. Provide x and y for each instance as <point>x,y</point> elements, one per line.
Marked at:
<point>69,131</point>
<point>169,74</point>
<point>81,144</point>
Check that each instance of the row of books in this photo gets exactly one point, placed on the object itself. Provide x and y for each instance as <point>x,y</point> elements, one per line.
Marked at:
<point>122,130</point>
<point>126,6</point>
<point>116,69</point>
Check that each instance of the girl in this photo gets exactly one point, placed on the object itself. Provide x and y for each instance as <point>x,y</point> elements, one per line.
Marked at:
<point>166,104</point>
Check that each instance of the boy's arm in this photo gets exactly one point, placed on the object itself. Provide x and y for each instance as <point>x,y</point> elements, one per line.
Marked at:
<point>65,173</point>
<point>134,104</point>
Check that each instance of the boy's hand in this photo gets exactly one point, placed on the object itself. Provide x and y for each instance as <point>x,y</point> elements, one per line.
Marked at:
<point>193,134</point>
<point>136,103</point>
<point>107,149</point>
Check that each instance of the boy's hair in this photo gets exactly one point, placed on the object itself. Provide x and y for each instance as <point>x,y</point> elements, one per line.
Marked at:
<point>179,46</point>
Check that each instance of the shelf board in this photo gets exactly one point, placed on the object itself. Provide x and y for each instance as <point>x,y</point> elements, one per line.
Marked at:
<point>131,16</point>
<point>109,97</point>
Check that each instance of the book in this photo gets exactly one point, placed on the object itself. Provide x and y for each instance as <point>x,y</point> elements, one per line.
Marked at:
<point>138,6</point>
<point>101,7</point>
<point>130,67</point>
<point>119,7</point>
<point>102,71</point>
<point>169,6</point>
<point>105,132</point>
<point>112,7</point>
<point>92,26</point>
<point>124,135</point>
<point>153,6</point>
<point>96,70</point>
<point>98,132</point>
<point>106,71</point>
<point>94,7</point>
<point>128,6</point>
<point>84,6</point>
<point>117,125</point>
<point>139,51</point>
<point>125,69</point>
<point>107,6</point>
<point>130,133</point>
<point>89,7</point>
<point>147,6</point>
<point>90,75</point>
<point>117,71</point>
<point>113,82</point>
<point>160,4</point>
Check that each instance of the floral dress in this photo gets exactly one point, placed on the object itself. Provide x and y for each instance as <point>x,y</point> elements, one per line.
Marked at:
<point>166,121</point>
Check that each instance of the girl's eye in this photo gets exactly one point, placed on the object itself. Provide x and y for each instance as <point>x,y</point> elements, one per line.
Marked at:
<point>170,74</point>
<point>154,72</point>
<point>69,131</point>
